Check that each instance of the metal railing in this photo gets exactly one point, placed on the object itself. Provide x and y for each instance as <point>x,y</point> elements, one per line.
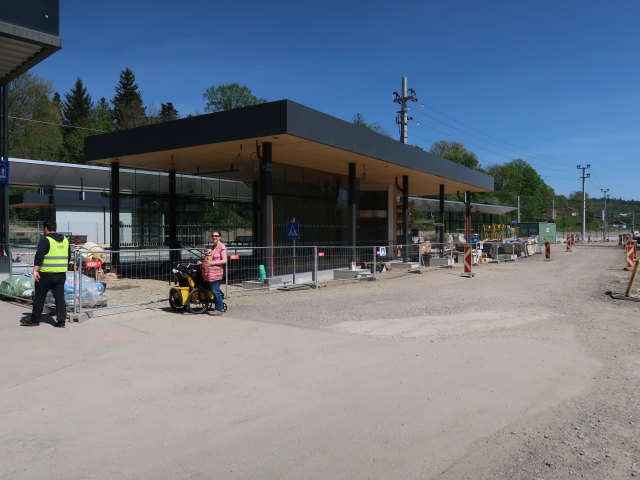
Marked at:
<point>112,279</point>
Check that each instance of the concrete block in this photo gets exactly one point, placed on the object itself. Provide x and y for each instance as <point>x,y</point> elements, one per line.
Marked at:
<point>347,273</point>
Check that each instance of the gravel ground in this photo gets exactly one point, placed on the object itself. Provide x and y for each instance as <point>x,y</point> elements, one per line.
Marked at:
<point>526,371</point>
<point>595,434</point>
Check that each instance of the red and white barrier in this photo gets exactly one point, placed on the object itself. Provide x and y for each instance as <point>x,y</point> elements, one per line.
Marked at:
<point>468,260</point>
<point>631,257</point>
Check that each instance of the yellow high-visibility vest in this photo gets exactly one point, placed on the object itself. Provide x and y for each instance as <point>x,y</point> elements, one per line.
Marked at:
<point>57,260</point>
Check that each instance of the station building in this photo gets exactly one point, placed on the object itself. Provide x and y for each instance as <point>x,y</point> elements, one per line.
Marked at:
<point>344,184</point>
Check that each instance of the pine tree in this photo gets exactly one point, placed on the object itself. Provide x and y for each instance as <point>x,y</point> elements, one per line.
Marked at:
<point>168,112</point>
<point>101,117</point>
<point>128,110</point>
<point>76,114</point>
<point>77,106</point>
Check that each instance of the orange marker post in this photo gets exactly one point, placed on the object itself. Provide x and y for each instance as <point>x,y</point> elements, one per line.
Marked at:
<point>547,250</point>
<point>630,256</point>
<point>467,261</point>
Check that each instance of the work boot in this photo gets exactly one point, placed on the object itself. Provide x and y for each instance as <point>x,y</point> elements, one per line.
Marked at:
<point>26,322</point>
<point>59,324</point>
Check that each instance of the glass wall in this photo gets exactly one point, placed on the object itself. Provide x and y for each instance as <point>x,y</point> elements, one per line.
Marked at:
<point>317,200</point>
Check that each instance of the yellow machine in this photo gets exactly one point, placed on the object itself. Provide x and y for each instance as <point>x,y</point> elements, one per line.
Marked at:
<point>190,292</point>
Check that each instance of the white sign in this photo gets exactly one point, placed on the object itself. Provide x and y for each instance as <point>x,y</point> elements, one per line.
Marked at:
<point>383,251</point>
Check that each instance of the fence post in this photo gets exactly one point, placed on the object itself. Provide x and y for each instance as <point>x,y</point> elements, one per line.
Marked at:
<point>76,262</point>
<point>314,273</point>
<point>79,272</point>
<point>226,278</point>
<point>375,267</point>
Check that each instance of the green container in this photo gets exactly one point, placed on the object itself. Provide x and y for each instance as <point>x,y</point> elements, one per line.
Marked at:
<point>262,274</point>
<point>546,231</point>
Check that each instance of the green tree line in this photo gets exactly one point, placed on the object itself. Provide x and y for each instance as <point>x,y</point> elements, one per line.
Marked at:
<point>45,125</point>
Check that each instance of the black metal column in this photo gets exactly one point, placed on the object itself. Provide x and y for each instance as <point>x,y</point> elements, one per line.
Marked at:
<point>266,204</point>
<point>467,217</point>
<point>4,187</point>
<point>173,241</point>
<point>353,210</point>
<point>441,217</point>
<point>405,217</point>
<point>255,221</point>
<point>115,216</point>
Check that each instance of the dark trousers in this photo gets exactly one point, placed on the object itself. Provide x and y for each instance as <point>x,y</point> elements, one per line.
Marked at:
<point>55,283</point>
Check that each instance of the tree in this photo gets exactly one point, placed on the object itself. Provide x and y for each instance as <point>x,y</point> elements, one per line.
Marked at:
<point>128,109</point>
<point>168,112</point>
<point>102,117</point>
<point>455,152</point>
<point>77,105</point>
<point>228,97</point>
<point>358,119</point>
<point>34,118</point>
<point>76,111</point>
<point>519,179</point>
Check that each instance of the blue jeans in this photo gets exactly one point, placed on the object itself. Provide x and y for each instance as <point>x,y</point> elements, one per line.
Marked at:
<point>217,294</point>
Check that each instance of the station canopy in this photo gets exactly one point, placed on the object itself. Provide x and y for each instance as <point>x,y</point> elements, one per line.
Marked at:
<point>28,35</point>
<point>228,145</point>
<point>433,205</point>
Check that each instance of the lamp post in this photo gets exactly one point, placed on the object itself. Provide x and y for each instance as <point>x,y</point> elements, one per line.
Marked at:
<point>605,232</point>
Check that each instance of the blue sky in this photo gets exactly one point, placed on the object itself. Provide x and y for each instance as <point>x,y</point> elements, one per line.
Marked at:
<point>557,80</point>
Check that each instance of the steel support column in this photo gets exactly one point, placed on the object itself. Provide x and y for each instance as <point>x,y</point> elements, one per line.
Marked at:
<point>4,187</point>
<point>266,206</point>
<point>173,241</point>
<point>405,217</point>
<point>467,217</point>
<point>441,217</point>
<point>115,216</point>
<point>353,210</point>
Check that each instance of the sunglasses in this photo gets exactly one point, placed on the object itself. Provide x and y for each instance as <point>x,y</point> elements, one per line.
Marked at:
<point>215,235</point>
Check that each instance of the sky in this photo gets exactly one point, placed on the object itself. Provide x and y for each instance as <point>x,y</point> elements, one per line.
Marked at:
<point>555,83</point>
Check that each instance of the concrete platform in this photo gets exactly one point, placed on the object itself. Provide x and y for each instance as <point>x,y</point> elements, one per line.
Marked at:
<point>347,273</point>
<point>405,265</point>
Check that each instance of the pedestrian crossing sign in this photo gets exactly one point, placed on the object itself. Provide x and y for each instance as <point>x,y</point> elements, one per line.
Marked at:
<point>293,230</point>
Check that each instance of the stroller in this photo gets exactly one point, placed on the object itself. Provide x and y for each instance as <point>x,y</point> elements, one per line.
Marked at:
<point>190,292</point>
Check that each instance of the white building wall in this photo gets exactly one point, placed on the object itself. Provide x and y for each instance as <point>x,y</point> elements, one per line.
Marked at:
<point>95,223</point>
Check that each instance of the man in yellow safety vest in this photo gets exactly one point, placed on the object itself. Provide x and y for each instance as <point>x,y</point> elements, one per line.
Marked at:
<point>49,271</point>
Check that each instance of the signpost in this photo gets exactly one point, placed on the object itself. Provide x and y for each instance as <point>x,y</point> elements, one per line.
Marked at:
<point>293,233</point>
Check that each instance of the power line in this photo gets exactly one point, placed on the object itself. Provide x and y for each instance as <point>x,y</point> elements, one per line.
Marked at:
<point>499,140</point>
<point>58,124</point>
<point>518,154</point>
<point>486,149</point>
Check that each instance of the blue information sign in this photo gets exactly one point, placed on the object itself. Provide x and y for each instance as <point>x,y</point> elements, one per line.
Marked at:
<point>4,172</point>
<point>293,231</point>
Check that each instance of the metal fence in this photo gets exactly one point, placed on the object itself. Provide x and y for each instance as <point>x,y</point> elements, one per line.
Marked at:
<point>108,279</point>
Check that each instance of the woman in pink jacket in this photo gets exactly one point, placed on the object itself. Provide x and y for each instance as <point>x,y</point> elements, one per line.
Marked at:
<point>213,270</point>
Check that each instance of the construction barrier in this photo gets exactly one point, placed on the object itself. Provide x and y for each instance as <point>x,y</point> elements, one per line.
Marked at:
<point>632,279</point>
<point>630,256</point>
<point>468,259</point>
<point>547,250</point>
<point>568,249</point>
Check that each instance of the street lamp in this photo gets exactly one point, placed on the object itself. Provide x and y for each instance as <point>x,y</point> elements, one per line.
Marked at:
<point>605,230</point>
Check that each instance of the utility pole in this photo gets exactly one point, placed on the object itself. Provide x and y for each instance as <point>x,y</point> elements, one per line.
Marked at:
<point>584,199</point>
<point>402,118</point>
<point>518,208</point>
<point>605,230</point>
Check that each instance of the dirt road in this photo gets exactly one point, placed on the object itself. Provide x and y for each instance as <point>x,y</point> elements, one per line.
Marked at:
<point>526,371</point>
